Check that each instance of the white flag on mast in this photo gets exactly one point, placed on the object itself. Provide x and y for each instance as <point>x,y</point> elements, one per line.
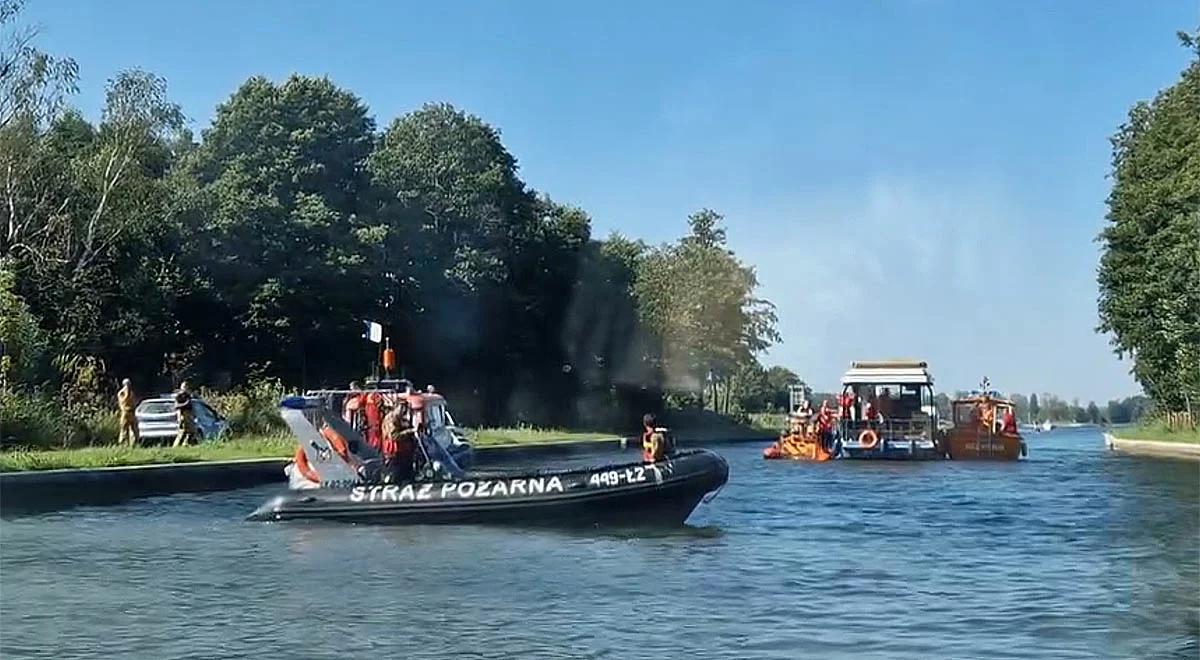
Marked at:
<point>373,331</point>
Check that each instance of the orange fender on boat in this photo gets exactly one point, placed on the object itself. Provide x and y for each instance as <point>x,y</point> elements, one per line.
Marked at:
<point>306,470</point>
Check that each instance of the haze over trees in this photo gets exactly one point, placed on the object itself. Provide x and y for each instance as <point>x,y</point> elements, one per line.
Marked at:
<point>1149,273</point>
<point>131,247</point>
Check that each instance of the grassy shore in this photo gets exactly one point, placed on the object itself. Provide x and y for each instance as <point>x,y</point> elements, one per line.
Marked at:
<point>274,446</point>
<point>523,436</point>
<point>695,425</point>
<point>270,446</point>
<point>1158,432</point>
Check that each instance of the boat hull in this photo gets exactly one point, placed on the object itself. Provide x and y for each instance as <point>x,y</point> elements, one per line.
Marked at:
<point>797,449</point>
<point>969,444</point>
<point>665,492</point>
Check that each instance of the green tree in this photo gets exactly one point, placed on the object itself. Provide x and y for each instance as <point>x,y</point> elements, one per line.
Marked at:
<point>1149,272</point>
<point>699,299</point>
<point>33,85</point>
<point>22,344</point>
<point>85,210</point>
<point>491,264</point>
<point>779,379</point>
<point>1093,413</point>
<point>1035,410</point>
<point>277,252</point>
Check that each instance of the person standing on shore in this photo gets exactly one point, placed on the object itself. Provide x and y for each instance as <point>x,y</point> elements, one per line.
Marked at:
<point>127,421</point>
<point>185,416</point>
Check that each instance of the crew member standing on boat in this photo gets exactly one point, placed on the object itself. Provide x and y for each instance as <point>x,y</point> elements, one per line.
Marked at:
<point>656,442</point>
<point>128,421</point>
<point>399,443</point>
<point>847,405</point>
<point>1010,423</point>
<point>185,416</point>
<point>374,417</point>
<point>825,426</point>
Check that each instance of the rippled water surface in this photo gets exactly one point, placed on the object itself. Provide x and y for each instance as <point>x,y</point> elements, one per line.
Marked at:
<point>1073,553</point>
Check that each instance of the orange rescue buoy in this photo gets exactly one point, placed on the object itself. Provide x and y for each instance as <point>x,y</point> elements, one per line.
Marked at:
<point>336,441</point>
<point>303,466</point>
<point>868,439</point>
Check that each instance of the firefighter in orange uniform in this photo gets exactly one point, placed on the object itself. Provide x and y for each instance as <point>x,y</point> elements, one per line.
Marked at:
<point>374,417</point>
<point>128,421</point>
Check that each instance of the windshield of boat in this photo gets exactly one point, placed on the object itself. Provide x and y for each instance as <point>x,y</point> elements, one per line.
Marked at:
<point>435,417</point>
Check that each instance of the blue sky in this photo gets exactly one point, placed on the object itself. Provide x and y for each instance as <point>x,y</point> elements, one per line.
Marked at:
<point>910,178</point>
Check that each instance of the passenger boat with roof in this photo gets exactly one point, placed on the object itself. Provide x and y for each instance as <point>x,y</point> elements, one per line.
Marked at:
<point>887,411</point>
<point>337,476</point>
<point>985,427</point>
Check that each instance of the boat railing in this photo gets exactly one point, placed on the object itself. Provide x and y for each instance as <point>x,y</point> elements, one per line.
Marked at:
<point>891,429</point>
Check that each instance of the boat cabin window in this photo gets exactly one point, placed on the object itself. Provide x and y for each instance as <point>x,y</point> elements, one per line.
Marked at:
<point>964,413</point>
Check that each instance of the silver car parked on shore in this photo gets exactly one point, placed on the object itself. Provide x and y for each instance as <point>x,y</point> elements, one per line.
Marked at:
<point>156,419</point>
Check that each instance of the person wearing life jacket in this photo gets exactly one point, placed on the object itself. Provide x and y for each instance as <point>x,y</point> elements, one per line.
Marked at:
<point>399,443</point>
<point>846,404</point>
<point>656,441</point>
<point>373,414</point>
<point>872,413</point>
<point>825,425</point>
<point>1010,423</point>
<point>987,416</point>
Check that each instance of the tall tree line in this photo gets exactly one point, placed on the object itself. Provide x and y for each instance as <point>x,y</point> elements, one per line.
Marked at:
<point>1149,272</point>
<point>131,247</point>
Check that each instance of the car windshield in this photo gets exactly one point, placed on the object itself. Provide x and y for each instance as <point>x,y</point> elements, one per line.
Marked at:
<point>157,408</point>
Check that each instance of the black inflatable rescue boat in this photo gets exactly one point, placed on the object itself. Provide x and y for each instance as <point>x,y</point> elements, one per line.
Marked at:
<point>662,492</point>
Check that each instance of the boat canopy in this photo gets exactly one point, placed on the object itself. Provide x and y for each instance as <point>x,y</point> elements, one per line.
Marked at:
<point>888,372</point>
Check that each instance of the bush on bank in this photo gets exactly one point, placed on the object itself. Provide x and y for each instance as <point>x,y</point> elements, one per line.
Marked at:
<point>41,422</point>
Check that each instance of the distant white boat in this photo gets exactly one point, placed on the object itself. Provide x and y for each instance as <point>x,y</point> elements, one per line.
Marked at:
<point>1047,426</point>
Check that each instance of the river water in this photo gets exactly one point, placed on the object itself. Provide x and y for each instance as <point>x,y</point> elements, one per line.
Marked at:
<point>1073,553</point>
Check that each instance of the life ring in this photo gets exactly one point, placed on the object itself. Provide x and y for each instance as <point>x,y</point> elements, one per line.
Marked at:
<point>336,441</point>
<point>868,439</point>
<point>305,469</point>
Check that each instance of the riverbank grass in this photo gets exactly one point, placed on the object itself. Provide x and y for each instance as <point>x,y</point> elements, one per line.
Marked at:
<point>526,435</point>
<point>270,446</point>
<point>1159,432</point>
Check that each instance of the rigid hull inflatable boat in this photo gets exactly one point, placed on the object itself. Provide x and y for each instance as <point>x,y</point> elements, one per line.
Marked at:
<point>660,492</point>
